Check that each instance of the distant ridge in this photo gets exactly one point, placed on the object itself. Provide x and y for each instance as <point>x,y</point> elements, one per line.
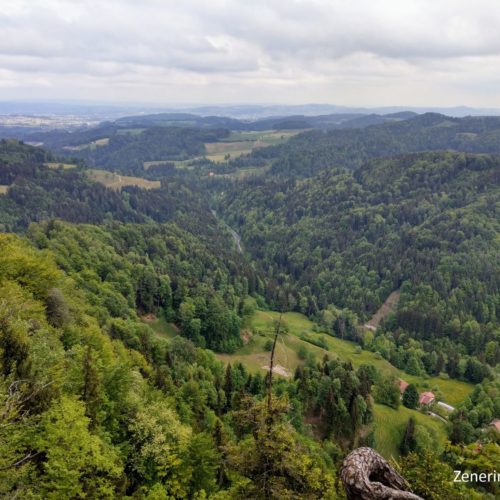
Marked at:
<point>239,111</point>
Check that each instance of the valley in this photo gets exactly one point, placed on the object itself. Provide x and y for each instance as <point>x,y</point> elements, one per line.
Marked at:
<point>166,246</point>
<point>249,250</point>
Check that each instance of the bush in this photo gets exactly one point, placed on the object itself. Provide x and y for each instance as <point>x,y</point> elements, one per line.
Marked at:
<point>387,392</point>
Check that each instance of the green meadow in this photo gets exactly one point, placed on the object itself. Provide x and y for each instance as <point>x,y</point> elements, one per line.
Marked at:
<point>389,423</point>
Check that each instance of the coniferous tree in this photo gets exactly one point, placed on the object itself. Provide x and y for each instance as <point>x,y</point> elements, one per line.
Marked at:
<point>409,442</point>
<point>410,397</point>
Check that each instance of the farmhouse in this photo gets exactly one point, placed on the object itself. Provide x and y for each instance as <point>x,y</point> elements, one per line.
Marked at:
<point>402,385</point>
<point>426,398</point>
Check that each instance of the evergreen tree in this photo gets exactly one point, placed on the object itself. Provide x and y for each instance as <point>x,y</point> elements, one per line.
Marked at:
<point>228,385</point>
<point>410,397</point>
<point>409,442</point>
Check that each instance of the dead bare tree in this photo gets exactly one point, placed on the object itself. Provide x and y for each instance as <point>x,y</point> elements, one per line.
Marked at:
<point>271,367</point>
<point>368,476</point>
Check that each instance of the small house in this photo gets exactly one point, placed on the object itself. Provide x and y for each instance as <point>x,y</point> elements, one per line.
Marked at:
<point>402,386</point>
<point>426,398</point>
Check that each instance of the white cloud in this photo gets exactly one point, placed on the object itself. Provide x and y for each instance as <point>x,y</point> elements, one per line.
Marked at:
<point>347,52</point>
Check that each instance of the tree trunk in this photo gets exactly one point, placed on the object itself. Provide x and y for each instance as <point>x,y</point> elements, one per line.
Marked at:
<point>368,476</point>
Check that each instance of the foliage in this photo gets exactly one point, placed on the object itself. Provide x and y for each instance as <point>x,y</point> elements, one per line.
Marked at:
<point>474,415</point>
<point>410,397</point>
<point>432,479</point>
<point>341,242</point>
<point>387,392</point>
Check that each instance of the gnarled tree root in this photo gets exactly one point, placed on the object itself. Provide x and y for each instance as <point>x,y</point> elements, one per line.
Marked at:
<point>368,476</point>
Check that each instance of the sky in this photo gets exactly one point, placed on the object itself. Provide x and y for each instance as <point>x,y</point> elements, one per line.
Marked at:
<point>344,52</point>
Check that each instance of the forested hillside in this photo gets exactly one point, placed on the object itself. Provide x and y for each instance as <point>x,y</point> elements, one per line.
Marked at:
<point>313,151</point>
<point>113,302</point>
<point>341,242</point>
<point>98,405</point>
<point>156,269</point>
<point>126,149</point>
<point>37,187</point>
<point>86,415</point>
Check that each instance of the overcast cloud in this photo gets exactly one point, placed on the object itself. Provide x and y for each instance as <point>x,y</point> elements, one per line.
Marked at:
<point>351,52</point>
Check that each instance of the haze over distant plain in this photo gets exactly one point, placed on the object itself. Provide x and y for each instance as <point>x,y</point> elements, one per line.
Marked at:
<point>354,53</point>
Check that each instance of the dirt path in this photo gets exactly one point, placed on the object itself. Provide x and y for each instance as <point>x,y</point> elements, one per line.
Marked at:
<point>280,370</point>
<point>386,308</point>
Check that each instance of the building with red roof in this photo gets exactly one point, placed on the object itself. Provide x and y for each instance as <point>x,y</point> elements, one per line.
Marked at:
<point>402,385</point>
<point>426,398</point>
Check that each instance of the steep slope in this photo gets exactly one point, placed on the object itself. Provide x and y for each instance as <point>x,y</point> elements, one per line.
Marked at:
<point>426,223</point>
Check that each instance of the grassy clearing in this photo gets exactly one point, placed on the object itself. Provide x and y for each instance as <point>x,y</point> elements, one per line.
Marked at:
<point>177,163</point>
<point>91,145</point>
<point>242,143</point>
<point>4,189</point>
<point>149,164</point>
<point>57,165</point>
<point>243,173</point>
<point>267,136</point>
<point>161,327</point>
<point>227,147</point>
<point>254,355</point>
<point>390,426</point>
<point>454,391</point>
<point>117,182</point>
<point>223,158</point>
<point>237,144</point>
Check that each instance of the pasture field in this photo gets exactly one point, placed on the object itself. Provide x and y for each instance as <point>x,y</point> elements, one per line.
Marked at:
<point>91,145</point>
<point>243,173</point>
<point>453,391</point>
<point>56,165</point>
<point>242,143</point>
<point>237,144</point>
<point>117,181</point>
<point>223,157</point>
<point>227,147</point>
<point>389,423</point>
<point>390,426</point>
<point>177,163</point>
<point>269,137</point>
<point>148,164</point>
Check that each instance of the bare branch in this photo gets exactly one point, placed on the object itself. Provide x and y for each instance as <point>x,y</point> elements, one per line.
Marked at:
<point>29,456</point>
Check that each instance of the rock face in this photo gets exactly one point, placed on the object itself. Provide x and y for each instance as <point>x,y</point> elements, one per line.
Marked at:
<point>368,476</point>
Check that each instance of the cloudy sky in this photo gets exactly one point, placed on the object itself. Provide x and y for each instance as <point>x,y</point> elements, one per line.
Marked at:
<point>346,52</point>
